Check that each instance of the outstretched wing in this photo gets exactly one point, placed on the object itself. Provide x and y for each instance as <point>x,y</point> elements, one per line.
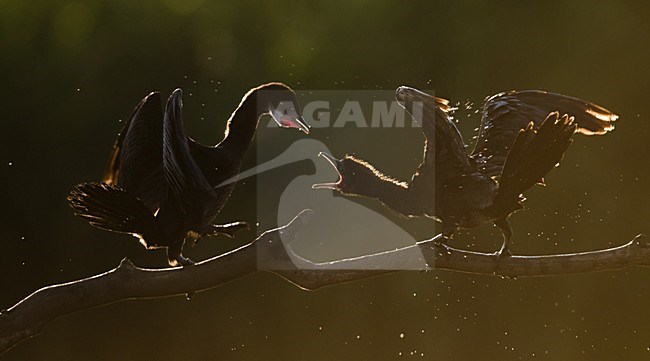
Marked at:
<point>444,150</point>
<point>505,114</point>
<point>135,164</point>
<point>534,153</point>
<point>187,182</point>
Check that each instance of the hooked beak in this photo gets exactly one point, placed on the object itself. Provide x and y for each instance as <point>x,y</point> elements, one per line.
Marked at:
<point>300,124</point>
<point>334,162</point>
<point>290,119</point>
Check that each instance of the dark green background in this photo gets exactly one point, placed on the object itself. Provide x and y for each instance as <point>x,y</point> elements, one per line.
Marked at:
<point>72,70</point>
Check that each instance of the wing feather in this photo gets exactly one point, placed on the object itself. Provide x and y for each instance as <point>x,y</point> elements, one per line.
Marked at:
<point>445,156</point>
<point>187,182</point>
<point>505,114</point>
<point>534,153</point>
<point>135,164</point>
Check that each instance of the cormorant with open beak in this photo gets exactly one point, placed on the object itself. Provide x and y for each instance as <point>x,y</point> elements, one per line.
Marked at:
<point>522,137</point>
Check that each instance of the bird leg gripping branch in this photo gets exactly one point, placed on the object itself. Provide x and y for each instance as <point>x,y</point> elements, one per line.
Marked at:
<point>28,317</point>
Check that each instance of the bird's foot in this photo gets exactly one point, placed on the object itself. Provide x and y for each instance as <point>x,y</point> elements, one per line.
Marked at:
<point>443,243</point>
<point>179,260</point>
<point>441,240</point>
<point>228,229</point>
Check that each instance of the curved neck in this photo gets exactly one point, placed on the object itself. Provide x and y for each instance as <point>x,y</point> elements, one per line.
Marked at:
<point>242,124</point>
<point>396,195</point>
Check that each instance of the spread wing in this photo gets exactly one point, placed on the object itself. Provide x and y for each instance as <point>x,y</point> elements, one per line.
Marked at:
<point>187,182</point>
<point>534,153</point>
<point>135,164</point>
<point>505,114</point>
<point>444,150</point>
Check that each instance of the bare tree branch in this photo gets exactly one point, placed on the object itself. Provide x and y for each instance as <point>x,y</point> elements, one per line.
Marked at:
<point>28,317</point>
<point>312,276</point>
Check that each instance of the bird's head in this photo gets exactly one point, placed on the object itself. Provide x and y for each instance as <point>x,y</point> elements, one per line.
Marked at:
<point>355,175</point>
<point>280,101</point>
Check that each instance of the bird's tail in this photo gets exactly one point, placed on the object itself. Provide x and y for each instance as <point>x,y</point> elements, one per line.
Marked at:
<point>111,208</point>
<point>533,155</point>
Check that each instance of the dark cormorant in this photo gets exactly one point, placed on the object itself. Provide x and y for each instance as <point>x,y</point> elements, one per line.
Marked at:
<point>522,137</point>
<point>161,186</point>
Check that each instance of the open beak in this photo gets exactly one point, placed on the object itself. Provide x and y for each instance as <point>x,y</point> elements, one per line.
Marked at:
<point>291,122</point>
<point>290,119</point>
<point>334,162</point>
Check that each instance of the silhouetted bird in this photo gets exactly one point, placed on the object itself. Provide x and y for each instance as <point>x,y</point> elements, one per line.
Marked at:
<point>522,137</point>
<point>161,186</point>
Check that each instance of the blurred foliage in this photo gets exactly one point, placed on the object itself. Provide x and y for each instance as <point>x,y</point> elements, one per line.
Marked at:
<point>73,70</point>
